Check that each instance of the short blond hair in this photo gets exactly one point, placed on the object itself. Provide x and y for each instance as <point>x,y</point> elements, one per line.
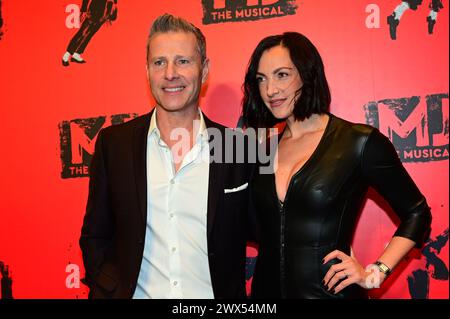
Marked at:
<point>170,23</point>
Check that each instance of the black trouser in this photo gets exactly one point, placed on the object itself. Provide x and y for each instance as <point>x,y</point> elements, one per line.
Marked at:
<point>413,4</point>
<point>436,5</point>
<point>81,39</point>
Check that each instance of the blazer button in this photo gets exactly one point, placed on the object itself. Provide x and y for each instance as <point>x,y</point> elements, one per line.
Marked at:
<point>141,241</point>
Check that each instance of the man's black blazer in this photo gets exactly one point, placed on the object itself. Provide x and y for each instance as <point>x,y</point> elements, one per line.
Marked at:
<point>113,232</point>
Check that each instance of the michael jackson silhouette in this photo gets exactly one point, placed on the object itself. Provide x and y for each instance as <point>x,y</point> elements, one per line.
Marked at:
<point>93,14</point>
<point>1,20</point>
<point>419,280</point>
<point>5,282</point>
<point>394,19</point>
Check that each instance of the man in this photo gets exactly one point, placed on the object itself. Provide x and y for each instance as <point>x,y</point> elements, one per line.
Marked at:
<point>393,20</point>
<point>94,13</point>
<point>161,222</point>
<point>5,282</point>
<point>435,6</point>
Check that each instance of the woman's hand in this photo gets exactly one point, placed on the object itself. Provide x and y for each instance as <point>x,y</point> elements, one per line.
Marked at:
<point>349,271</point>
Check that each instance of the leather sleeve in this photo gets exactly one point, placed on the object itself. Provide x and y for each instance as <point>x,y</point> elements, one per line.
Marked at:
<point>386,174</point>
<point>97,229</point>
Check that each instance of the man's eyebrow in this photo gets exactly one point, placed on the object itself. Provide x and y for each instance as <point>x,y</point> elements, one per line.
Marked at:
<point>178,56</point>
<point>157,58</point>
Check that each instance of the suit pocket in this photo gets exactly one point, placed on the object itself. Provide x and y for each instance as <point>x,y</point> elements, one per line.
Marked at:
<point>236,195</point>
<point>236,189</point>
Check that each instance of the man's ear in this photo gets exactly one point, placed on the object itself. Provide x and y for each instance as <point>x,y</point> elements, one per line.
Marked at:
<point>205,70</point>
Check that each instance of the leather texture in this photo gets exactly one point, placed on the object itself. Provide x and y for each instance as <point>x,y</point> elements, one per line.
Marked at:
<point>321,209</point>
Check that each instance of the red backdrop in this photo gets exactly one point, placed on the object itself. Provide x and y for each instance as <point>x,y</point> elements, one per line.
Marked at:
<point>52,114</point>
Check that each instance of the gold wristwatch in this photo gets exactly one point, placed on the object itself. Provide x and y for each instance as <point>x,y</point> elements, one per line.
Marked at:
<point>383,268</point>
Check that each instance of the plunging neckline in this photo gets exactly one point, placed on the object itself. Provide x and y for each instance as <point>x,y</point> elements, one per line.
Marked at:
<point>301,168</point>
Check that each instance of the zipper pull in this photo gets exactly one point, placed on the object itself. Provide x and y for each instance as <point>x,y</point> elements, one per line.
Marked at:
<point>281,205</point>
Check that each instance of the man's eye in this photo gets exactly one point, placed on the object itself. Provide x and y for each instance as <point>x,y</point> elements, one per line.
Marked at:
<point>183,61</point>
<point>158,63</point>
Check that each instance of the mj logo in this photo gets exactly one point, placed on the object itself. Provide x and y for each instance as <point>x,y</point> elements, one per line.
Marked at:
<point>77,141</point>
<point>216,11</point>
<point>417,127</point>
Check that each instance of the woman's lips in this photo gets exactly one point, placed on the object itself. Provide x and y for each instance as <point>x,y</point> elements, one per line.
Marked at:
<point>277,102</point>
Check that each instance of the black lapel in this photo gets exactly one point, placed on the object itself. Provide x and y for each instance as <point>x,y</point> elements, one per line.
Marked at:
<point>140,162</point>
<point>216,179</point>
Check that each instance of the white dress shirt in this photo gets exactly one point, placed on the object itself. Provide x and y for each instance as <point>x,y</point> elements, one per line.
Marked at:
<point>175,262</point>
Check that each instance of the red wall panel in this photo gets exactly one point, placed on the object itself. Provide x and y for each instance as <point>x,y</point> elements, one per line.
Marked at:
<point>41,211</point>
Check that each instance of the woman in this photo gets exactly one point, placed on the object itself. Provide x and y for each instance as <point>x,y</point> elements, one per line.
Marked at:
<point>308,206</point>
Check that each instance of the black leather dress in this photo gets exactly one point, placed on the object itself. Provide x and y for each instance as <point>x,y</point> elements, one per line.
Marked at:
<point>321,207</point>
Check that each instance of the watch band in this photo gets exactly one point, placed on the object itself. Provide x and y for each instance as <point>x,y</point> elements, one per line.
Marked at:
<point>383,268</point>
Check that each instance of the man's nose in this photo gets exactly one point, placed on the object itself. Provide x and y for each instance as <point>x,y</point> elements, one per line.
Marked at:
<point>171,71</point>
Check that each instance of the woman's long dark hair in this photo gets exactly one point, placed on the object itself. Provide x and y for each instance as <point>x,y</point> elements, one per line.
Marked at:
<point>315,97</point>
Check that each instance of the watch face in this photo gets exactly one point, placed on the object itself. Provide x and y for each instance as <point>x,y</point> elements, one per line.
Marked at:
<point>384,268</point>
